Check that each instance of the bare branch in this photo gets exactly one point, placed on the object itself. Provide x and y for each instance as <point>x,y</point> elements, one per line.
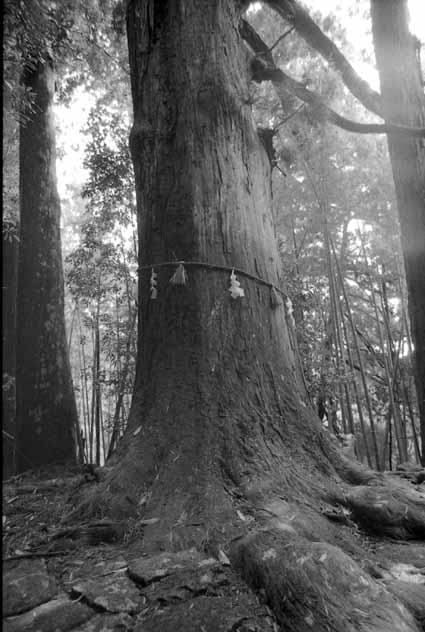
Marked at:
<point>282,37</point>
<point>264,69</point>
<point>305,26</point>
<point>291,115</point>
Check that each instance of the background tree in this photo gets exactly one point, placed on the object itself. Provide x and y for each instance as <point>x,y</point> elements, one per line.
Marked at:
<point>46,412</point>
<point>101,267</point>
<point>39,36</point>
<point>315,37</point>
<point>13,93</point>
<point>409,181</point>
<point>398,60</point>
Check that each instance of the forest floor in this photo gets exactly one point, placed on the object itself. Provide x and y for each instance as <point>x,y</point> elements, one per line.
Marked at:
<point>96,577</point>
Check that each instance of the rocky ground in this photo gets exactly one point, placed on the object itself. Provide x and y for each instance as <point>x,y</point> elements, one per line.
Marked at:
<point>96,577</point>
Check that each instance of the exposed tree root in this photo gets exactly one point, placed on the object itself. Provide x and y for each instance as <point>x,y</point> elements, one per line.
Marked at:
<point>380,503</point>
<point>412,595</point>
<point>306,554</point>
<point>312,584</point>
<point>388,510</point>
<point>353,472</point>
<point>316,586</point>
<point>306,558</point>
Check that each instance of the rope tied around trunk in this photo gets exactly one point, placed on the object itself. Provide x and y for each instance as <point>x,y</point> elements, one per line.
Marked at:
<point>277,295</point>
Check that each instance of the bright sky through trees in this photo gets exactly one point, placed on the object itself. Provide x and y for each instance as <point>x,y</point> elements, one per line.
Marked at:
<point>70,122</point>
<point>417,18</point>
<point>416,9</point>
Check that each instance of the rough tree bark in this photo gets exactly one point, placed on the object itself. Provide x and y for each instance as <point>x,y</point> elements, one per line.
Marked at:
<point>404,102</point>
<point>10,239</point>
<point>46,409</point>
<point>221,451</point>
<point>217,377</point>
<point>9,277</point>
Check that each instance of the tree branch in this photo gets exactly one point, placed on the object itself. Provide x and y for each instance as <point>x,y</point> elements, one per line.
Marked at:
<point>282,37</point>
<point>305,26</point>
<point>264,69</point>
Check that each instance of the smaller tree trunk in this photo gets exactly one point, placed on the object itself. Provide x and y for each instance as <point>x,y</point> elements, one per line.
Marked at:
<point>46,409</point>
<point>96,387</point>
<point>85,407</point>
<point>362,374</point>
<point>341,290</point>
<point>121,386</point>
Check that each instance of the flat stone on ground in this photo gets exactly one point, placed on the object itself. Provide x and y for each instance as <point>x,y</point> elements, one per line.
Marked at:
<point>26,584</point>
<point>107,623</point>
<point>59,614</point>
<point>149,569</point>
<point>115,592</point>
<point>206,614</point>
<point>187,584</point>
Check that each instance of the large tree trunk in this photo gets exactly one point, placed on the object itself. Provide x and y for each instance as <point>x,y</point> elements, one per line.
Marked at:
<point>46,410</point>
<point>220,442</point>
<point>216,395</point>
<point>404,102</point>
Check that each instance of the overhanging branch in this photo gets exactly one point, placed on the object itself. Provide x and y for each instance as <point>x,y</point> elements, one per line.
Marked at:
<point>305,26</point>
<point>264,69</point>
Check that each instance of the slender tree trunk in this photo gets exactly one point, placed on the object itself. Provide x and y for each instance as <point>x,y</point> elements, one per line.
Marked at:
<point>341,290</point>
<point>102,432</point>
<point>96,386</point>
<point>96,396</point>
<point>386,355</point>
<point>84,412</point>
<point>323,399</point>
<point>93,394</point>
<point>46,409</point>
<point>84,394</point>
<point>334,316</point>
<point>121,385</point>
<point>71,329</point>
<point>404,102</point>
<point>78,430</point>
<point>361,368</point>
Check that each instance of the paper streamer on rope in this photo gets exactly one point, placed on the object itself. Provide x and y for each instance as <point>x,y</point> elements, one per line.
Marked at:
<point>235,287</point>
<point>153,285</point>
<point>290,311</point>
<point>277,295</point>
<point>180,276</point>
